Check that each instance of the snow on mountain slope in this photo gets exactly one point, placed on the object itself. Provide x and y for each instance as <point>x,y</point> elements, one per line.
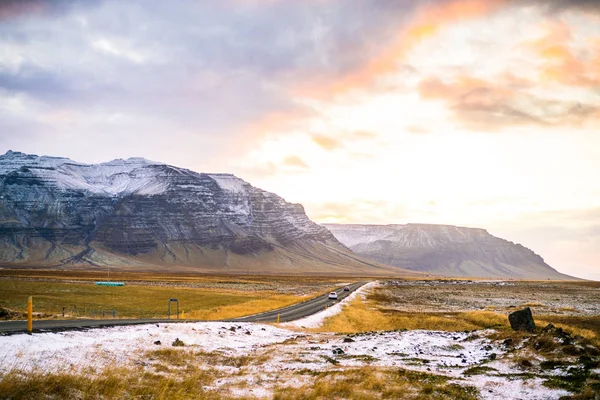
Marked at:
<point>110,178</point>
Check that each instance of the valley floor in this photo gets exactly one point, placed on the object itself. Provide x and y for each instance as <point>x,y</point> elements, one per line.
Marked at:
<point>305,359</point>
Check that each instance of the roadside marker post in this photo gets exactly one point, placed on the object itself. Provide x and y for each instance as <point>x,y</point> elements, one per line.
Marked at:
<point>30,315</point>
<point>278,315</point>
<point>177,303</point>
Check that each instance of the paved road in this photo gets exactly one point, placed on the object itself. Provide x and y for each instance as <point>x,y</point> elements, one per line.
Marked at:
<point>300,310</point>
<point>290,313</point>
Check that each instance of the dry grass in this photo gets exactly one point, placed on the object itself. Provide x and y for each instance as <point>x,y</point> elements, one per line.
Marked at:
<point>138,301</point>
<point>364,316</point>
<point>588,327</point>
<point>113,384</point>
<point>372,383</point>
<point>128,301</point>
<point>190,359</point>
<point>93,276</point>
<point>271,302</point>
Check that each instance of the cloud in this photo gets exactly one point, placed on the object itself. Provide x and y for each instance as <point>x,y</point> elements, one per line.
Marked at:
<point>562,5</point>
<point>483,105</point>
<point>294,162</point>
<point>205,72</point>
<point>342,139</point>
<point>561,63</point>
<point>426,20</point>
<point>327,142</point>
<point>354,211</point>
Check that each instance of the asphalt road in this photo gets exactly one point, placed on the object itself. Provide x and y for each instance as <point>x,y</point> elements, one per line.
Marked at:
<point>286,314</point>
<point>300,310</point>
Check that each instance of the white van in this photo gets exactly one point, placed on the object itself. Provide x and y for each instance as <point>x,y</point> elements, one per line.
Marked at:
<point>333,296</point>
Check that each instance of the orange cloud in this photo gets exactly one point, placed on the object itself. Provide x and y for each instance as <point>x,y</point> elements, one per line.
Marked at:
<point>428,21</point>
<point>327,142</point>
<point>485,105</point>
<point>363,135</point>
<point>294,161</point>
<point>560,62</point>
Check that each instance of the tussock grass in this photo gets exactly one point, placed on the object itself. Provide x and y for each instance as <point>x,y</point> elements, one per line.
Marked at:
<point>588,327</point>
<point>363,316</point>
<point>372,383</point>
<point>191,359</point>
<point>113,384</point>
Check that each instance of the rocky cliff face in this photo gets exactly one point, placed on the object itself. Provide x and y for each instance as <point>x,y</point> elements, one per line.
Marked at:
<point>142,214</point>
<point>444,250</point>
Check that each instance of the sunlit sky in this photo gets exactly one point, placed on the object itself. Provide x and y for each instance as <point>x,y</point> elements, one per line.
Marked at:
<point>472,113</point>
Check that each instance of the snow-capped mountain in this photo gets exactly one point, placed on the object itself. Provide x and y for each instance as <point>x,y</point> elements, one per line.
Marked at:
<point>145,214</point>
<point>444,250</point>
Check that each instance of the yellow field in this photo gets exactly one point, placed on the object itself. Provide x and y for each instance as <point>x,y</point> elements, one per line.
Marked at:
<point>363,316</point>
<point>147,295</point>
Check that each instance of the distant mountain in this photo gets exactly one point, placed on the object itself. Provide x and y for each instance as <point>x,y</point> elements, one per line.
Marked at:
<point>143,215</point>
<point>444,250</point>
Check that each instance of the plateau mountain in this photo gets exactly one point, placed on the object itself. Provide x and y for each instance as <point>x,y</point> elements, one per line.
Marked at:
<point>444,250</point>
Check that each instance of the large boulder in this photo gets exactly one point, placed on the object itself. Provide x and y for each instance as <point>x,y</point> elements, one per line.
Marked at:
<point>522,320</point>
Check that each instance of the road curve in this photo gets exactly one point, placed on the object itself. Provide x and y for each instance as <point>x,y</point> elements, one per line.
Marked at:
<point>300,310</point>
<point>286,314</point>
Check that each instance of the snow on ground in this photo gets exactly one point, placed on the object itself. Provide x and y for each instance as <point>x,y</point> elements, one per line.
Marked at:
<point>99,348</point>
<point>316,320</point>
<point>282,354</point>
<point>501,388</point>
<point>287,353</point>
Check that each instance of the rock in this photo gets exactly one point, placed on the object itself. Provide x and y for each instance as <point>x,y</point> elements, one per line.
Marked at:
<point>248,333</point>
<point>232,329</point>
<point>487,348</point>
<point>337,351</point>
<point>522,320</point>
<point>178,343</point>
<point>493,356</point>
<point>348,340</point>
<point>564,337</point>
<point>548,328</point>
<point>158,343</point>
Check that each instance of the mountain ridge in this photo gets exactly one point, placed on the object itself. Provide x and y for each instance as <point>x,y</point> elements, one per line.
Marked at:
<point>142,214</point>
<point>446,250</point>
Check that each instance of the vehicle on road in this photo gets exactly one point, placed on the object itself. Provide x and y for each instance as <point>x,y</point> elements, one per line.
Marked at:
<point>346,288</point>
<point>333,296</point>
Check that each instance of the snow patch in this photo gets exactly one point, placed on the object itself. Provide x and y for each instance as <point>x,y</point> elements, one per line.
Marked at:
<point>229,183</point>
<point>100,348</point>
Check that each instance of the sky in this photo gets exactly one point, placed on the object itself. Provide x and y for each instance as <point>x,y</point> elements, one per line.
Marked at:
<point>472,113</point>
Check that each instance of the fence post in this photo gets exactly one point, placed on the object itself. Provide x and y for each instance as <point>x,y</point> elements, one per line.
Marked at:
<point>30,315</point>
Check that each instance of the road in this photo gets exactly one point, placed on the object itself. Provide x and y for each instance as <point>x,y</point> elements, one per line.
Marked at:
<point>290,313</point>
<point>300,310</point>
